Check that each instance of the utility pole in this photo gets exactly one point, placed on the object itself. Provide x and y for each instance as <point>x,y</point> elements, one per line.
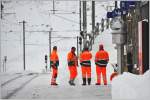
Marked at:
<point>84,22</point>
<point>80,24</point>
<point>116,6</point>
<point>120,49</point>
<point>2,7</point>
<point>50,44</point>
<point>0,52</point>
<point>53,7</point>
<point>77,46</point>
<point>24,60</point>
<point>120,59</point>
<point>93,20</point>
<point>80,14</point>
<point>122,46</point>
<point>24,45</point>
<point>120,53</point>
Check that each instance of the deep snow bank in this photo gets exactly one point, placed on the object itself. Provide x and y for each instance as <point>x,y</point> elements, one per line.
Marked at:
<point>130,86</point>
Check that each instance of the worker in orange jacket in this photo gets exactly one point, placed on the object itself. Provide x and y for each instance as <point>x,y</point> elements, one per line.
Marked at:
<point>72,65</point>
<point>101,60</point>
<point>54,60</point>
<point>85,62</point>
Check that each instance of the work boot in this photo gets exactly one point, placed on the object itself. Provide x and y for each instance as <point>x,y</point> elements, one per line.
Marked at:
<point>71,83</point>
<point>84,81</point>
<point>97,84</point>
<point>89,81</point>
<point>54,84</point>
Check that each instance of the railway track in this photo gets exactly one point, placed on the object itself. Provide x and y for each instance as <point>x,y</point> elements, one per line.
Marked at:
<point>13,85</point>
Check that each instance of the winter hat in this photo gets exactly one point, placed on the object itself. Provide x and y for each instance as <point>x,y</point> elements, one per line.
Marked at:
<point>55,48</point>
<point>101,47</point>
<point>73,48</point>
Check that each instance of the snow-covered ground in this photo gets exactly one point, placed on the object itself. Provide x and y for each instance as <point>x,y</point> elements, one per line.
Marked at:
<point>14,82</point>
<point>130,86</point>
<point>42,90</point>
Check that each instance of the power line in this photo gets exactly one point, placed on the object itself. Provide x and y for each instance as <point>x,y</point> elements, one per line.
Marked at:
<point>66,13</point>
<point>53,31</point>
<point>51,37</point>
<point>34,44</point>
<point>43,31</point>
<point>63,37</point>
<point>67,19</point>
<point>60,40</point>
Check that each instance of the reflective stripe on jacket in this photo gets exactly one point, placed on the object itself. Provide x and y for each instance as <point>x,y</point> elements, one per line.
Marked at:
<point>101,63</point>
<point>86,63</point>
<point>85,58</point>
<point>54,59</point>
<point>101,58</point>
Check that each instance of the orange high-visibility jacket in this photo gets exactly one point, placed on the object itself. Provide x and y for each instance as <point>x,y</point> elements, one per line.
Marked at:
<point>72,59</point>
<point>102,57</point>
<point>85,57</point>
<point>54,57</point>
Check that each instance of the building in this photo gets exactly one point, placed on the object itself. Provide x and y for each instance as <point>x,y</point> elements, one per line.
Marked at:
<point>138,36</point>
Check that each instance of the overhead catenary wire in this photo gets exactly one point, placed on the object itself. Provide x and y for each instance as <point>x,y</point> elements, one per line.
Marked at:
<point>59,12</point>
<point>70,20</point>
<point>55,15</point>
<point>36,44</point>
<point>66,37</point>
<point>52,31</point>
<point>65,13</point>
<point>13,23</point>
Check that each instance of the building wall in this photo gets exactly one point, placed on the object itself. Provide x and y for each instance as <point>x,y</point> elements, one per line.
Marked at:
<point>138,14</point>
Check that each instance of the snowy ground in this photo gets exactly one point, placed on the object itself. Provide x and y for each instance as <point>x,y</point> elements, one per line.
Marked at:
<point>130,86</point>
<point>42,90</point>
<point>14,82</point>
